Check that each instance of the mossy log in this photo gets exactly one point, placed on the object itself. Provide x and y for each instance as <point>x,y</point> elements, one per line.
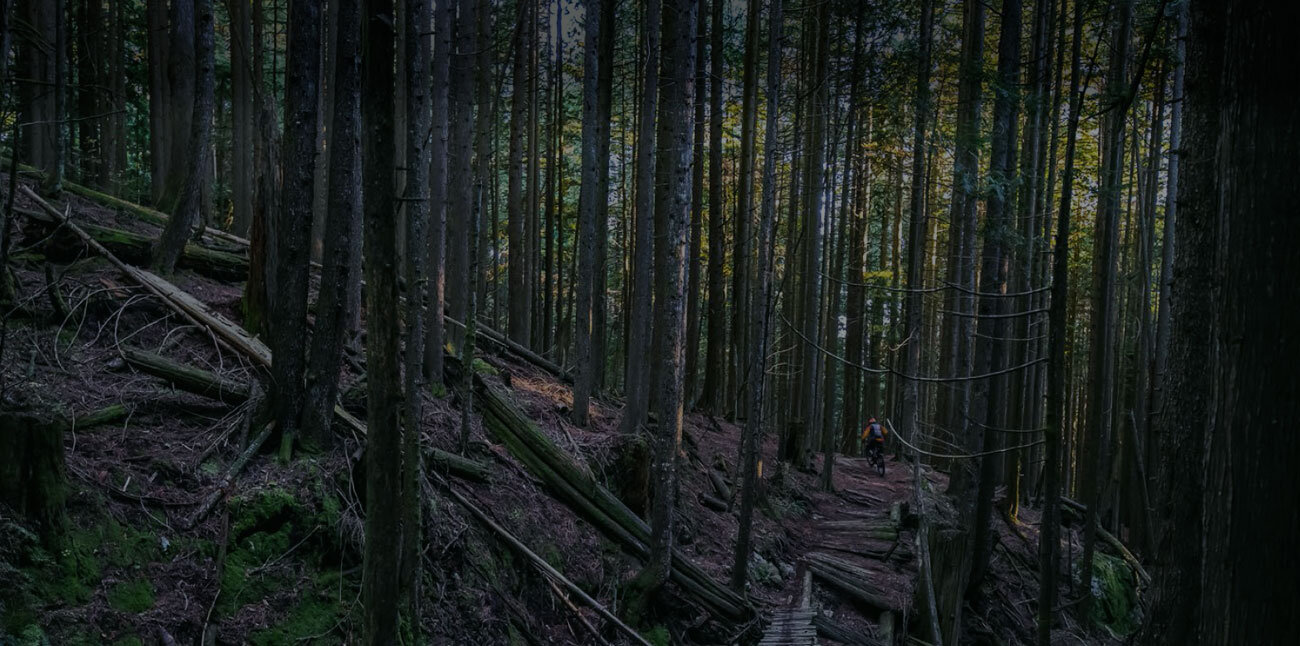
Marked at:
<point>186,377</point>
<point>144,213</point>
<point>136,249</point>
<point>465,468</point>
<point>105,415</point>
<point>577,487</point>
<point>33,477</point>
<point>862,528</point>
<point>720,488</point>
<point>850,580</point>
<point>523,353</point>
<point>830,629</point>
<point>1077,509</point>
<point>228,480</point>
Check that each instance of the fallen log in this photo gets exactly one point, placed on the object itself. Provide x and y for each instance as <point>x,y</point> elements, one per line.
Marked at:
<point>850,580</point>
<point>444,462</point>
<point>575,486</point>
<point>1077,509</point>
<point>152,216</point>
<point>155,285</point>
<point>720,487</point>
<point>546,568</point>
<point>828,628</point>
<point>105,415</point>
<point>137,249</point>
<point>228,480</point>
<point>713,503</point>
<point>523,353</point>
<point>186,377</point>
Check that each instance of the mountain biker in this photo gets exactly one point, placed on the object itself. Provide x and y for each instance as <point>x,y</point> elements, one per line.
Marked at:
<point>874,435</point>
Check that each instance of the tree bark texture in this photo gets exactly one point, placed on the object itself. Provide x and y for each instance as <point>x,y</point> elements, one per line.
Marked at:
<point>672,217</point>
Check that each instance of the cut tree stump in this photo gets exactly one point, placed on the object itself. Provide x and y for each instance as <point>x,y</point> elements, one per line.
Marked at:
<point>33,477</point>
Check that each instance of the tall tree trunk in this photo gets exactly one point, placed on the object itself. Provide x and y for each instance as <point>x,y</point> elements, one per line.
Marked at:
<point>188,210</point>
<point>156,29</point>
<point>1101,351</point>
<point>1057,392</point>
<point>342,228</point>
<point>36,61</point>
<point>182,56</point>
<point>1024,398</point>
<point>851,241</point>
<point>259,292</point>
<point>913,312</point>
<point>418,21</point>
<point>989,394</point>
<point>961,238</point>
<point>89,58</point>
<point>1164,320</point>
<point>55,168</point>
<point>638,364</point>
<point>478,17</point>
<point>554,201</point>
<point>741,238</point>
<point>856,322</point>
<point>761,310</point>
<point>381,567</point>
<point>243,104</point>
<point>289,328</point>
<point>604,114</point>
<point>813,229</point>
<point>6,37</point>
<point>696,249</point>
<point>584,380</point>
<point>715,364</point>
<point>324,130</point>
<point>672,216</point>
<point>460,191</point>
<point>1182,586</point>
<point>532,228</point>
<point>520,291</point>
<point>1251,495</point>
<point>439,163</point>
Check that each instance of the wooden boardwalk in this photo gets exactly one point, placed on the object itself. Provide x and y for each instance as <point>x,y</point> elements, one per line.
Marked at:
<point>793,627</point>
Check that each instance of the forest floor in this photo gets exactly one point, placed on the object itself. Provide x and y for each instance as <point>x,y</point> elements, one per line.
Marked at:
<point>279,562</point>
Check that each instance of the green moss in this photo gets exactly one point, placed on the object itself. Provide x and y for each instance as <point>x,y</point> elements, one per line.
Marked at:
<point>261,507</point>
<point>132,596</point>
<point>31,635</point>
<point>552,555</point>
<point>438,389</point>
<point>658,636</point>
<point>310,618</point>
<point>484,368</point>
<point>1115,597</point>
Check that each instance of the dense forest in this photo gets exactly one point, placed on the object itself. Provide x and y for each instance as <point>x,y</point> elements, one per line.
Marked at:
<point>586,321</point>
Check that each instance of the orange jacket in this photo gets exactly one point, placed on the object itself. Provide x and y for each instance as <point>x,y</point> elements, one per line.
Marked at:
<point>883,432</point>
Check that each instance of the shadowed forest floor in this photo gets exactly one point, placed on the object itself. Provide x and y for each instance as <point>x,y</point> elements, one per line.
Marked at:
<point>280,561</point>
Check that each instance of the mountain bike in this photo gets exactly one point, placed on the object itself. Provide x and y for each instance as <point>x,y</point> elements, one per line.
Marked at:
<point>876,458</point>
